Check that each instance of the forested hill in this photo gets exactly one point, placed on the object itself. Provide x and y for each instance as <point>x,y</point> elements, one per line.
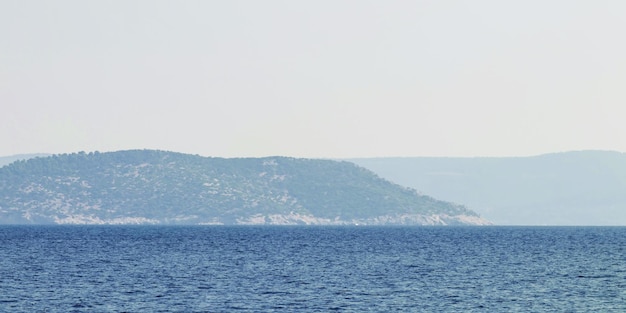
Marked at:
<point>158,187</point>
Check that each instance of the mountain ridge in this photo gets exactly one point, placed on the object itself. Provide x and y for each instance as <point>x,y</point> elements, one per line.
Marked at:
<point>566,188</point>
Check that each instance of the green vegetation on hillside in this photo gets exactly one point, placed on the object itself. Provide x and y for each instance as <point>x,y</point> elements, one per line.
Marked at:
<point>167,187</point>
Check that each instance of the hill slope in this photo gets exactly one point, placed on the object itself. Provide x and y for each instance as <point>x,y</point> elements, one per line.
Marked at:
<point>144,186</point>
<point>571,188</point>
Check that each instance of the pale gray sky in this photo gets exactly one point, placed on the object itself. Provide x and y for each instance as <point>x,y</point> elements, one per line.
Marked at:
<point>313,78</point>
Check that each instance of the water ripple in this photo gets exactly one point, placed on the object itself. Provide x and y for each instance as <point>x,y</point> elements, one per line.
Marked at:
<point>312,269</point>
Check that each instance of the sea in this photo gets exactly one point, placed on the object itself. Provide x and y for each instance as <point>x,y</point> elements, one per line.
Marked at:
<point>312,269</point>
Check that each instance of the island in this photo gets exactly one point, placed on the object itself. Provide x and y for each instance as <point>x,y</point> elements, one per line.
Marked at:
<point>164,188</point>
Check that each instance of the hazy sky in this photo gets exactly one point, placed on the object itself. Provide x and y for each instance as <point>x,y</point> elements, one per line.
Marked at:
<point>313,78</point>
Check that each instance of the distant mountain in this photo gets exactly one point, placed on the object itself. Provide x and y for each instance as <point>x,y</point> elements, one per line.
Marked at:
<point>10,159</point>
<point>157,187</point>
<point>572,188</point>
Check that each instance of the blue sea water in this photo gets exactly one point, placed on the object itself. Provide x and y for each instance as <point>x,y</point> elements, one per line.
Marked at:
<point>312,269</point>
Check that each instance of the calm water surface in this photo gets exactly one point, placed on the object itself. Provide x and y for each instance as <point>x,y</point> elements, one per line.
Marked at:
<point>312,269</point>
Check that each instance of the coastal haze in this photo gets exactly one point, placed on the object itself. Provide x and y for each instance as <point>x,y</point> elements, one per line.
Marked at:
<point>333,79</point>
<point>571,188</point>
<point>242,113</point>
